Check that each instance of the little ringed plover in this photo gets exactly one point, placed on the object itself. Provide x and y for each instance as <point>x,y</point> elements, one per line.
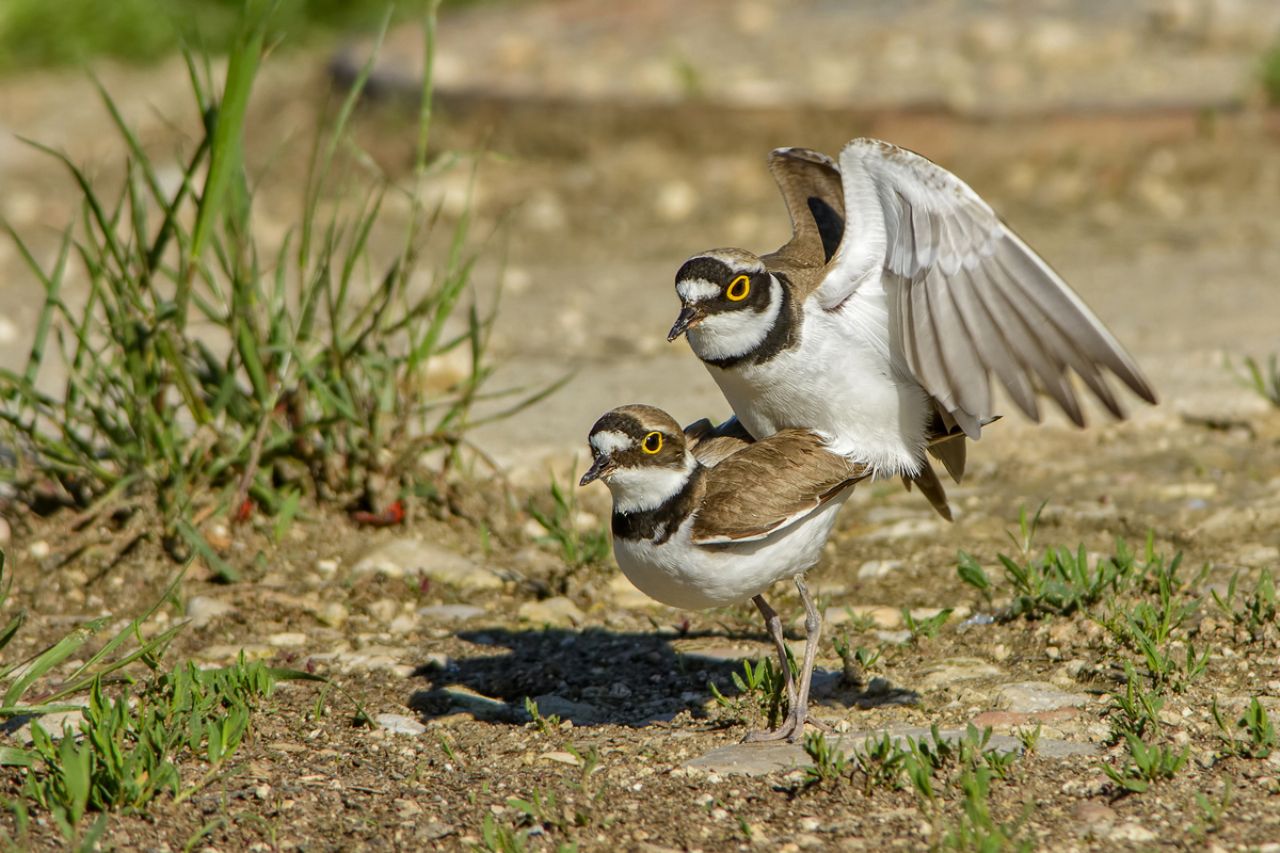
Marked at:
<point>879,325</point>
<point>704,518</point>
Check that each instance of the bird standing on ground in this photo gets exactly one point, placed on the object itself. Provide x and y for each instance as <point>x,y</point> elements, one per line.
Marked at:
<point>704,518</point>
<point>879,324</point>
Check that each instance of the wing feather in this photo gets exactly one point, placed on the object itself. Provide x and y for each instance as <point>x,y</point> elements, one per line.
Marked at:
<point>812,190</point>
<point>769,485</point>
<point>970,297</point>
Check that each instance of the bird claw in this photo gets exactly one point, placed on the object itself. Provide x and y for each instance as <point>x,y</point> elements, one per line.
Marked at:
<point>791,729</point>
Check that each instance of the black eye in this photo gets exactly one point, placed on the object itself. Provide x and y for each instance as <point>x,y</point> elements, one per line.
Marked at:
<point>738,289</point>
<point>652,442</point>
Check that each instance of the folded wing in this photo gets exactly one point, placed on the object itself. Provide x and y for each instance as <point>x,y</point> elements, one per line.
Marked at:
<point>769,485</point>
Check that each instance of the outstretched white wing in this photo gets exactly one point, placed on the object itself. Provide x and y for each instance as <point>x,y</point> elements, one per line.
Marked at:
<point>967,298</point>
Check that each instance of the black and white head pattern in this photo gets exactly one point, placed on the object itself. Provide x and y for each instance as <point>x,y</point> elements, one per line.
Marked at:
<point>734,309</point>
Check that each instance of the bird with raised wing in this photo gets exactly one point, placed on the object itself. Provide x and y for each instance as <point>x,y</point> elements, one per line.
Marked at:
<point>706,517</point>
<point>880,324</point>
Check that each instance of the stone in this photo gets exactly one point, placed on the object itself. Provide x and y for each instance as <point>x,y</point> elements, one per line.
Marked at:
<point>1027,697</point>
<point>558,611</point>
<point>403,624</point>
<point>760,759</point>
<point>1010,719</point>
<point>370,659</point>
<point>333,615</point>
<point>450,612</point>
<point>578,713</point>
<point>406,557</point>
<point>483,707</point>
<point>288,639</point>
<point>953,670</point>
<point>53,724</point>
<point>383,610</point>
<point>878,568</point>
<point>562,758</point>
<point>201,610</point>
<point>1131,831</point>
<point>1097,817</point>
<point>400,724</point>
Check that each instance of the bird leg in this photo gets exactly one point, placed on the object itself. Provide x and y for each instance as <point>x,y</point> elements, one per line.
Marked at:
<point>812,631</point>
<point>792,727</point>
<point>774,625</point>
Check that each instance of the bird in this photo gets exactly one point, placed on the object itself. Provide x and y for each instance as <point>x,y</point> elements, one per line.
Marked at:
<point>880,323</point>
<point>706,516</point>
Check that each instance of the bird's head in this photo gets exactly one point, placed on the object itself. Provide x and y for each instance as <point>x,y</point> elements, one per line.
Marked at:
<point>730,302</point>
<point>641,454</point>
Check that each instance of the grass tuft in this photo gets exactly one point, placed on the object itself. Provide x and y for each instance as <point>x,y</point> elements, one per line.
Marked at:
<point>1265,381</point>
<point>207,374</point>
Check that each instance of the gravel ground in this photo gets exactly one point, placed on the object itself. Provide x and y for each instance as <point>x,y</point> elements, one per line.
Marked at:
<point>1167,222</point>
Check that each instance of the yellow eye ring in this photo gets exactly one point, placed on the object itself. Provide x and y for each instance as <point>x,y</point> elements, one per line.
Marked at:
<point>652,443</point>
<point>738,289</point>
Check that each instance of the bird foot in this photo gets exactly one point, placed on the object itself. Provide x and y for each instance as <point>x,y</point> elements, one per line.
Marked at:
<point>791,729</point>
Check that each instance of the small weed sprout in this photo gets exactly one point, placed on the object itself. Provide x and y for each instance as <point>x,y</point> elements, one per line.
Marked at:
<point>925,628</point>
<point>761,692</point>
<point>1146,765</point>
<point>859,623</point>
<point>497,838</point>
<point>1259,734</point>
<point>971,572</point>
<point>1135,712</point>
<point>977,830</point>
<point>856,661</point>
<point>1264,381</point>
<point>1211,811</point>
<point>1257,612</point>
<point>558,517</point>
<point>1029,738</point>
<point>882,762</point>
<point>829,761</point>
<point>545,725</point>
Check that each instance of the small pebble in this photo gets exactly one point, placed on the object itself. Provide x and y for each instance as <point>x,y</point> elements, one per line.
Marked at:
<point>400,724</point>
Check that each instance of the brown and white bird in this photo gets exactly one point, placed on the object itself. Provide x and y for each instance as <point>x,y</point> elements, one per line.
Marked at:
<point>880,323</point>
<point>704,518</point>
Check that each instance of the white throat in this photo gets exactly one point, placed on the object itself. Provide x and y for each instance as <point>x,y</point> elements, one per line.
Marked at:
<point>733,334</point>
<point>647,488</point>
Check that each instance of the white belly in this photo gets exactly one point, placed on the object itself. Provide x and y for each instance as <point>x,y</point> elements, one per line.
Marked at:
<point>694,577</point>
<point>840,383</point>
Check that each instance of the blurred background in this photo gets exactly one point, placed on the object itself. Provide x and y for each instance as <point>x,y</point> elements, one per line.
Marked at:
<point>1135,145</point>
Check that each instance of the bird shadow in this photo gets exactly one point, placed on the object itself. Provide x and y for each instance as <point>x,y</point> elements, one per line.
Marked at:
<point>601,677</point>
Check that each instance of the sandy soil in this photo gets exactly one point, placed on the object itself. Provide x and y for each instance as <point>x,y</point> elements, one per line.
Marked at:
<point>1168,223</point>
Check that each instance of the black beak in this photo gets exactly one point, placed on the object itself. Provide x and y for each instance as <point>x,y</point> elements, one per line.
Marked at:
<point>689,317</point>
<point>603,465</point>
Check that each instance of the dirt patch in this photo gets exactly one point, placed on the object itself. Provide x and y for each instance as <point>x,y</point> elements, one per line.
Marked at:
<point>1167,223</point>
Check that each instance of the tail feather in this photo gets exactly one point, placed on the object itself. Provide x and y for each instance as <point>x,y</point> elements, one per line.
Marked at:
<point>931,487</point>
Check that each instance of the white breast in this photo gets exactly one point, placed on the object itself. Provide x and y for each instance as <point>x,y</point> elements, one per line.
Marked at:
<point>694,577</point>
<point>839,382</point>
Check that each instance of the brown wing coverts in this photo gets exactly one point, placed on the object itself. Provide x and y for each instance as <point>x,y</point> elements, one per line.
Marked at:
<point>771,482</point>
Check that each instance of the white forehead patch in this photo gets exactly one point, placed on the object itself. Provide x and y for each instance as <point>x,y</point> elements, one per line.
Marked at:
<point>608,442</point>
<point>696,290</point>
